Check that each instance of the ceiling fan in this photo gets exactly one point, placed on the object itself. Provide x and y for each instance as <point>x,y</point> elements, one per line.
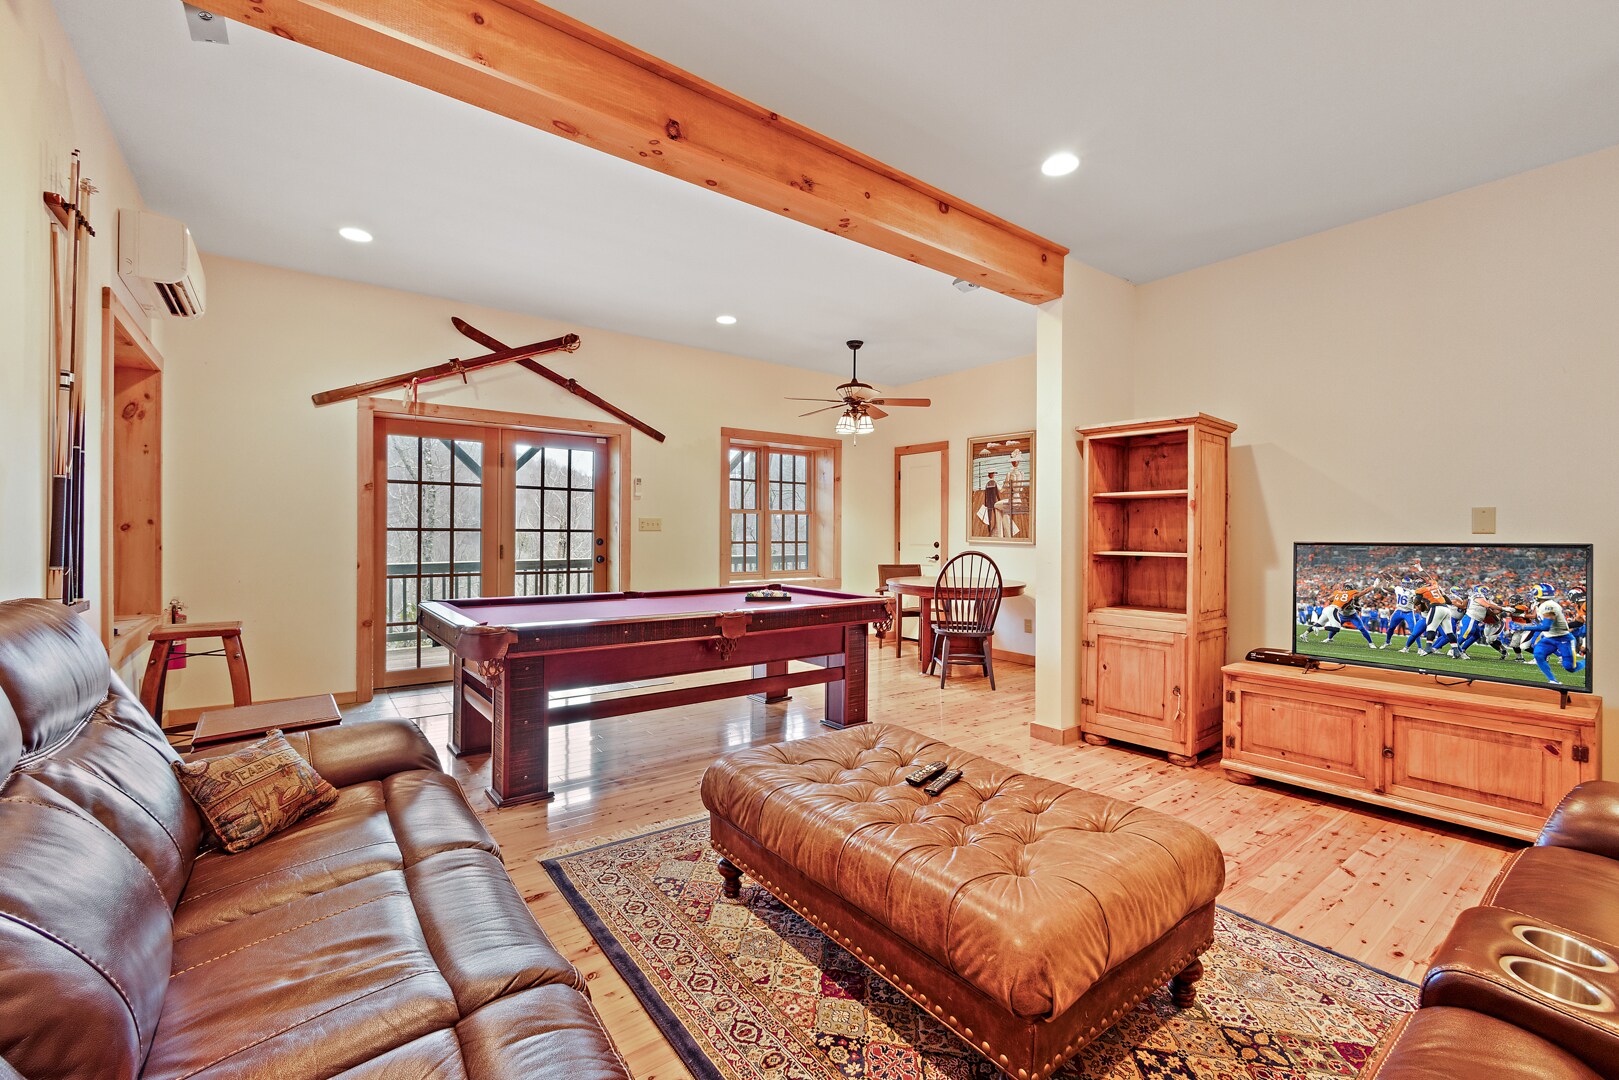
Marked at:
<point>859,401</point>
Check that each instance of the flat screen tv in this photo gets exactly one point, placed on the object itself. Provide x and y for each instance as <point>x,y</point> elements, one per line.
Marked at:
<point>1514,613</point>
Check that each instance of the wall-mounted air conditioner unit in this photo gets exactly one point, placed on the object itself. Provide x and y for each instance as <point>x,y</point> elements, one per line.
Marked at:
<point>158,261</point>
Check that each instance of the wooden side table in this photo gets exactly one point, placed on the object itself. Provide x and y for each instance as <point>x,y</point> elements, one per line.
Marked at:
<point>228,725</point>
<point>163,641</point>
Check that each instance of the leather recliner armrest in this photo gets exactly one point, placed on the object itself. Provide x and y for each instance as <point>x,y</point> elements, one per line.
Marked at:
<point>354,752</point>
<point>1586,819</point>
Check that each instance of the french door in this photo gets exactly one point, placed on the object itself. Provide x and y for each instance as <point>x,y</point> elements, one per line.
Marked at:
<point>476,510</point>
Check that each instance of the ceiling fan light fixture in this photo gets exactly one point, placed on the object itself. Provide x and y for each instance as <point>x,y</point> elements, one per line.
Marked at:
<point>846,425</point>
<point>864,425</point>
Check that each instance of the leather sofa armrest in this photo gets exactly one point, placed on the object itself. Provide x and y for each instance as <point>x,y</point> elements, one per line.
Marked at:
<point>355,751</point>
<point>1586,819</point>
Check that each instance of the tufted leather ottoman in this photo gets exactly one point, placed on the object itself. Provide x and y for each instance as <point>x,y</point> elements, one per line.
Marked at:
<point>1025,914</point>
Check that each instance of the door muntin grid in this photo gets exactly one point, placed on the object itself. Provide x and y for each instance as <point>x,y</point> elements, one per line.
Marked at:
<point>556,519</point>
<point>434,541</point>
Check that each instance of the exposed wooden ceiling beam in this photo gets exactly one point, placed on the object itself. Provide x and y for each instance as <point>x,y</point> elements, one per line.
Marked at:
<point>537,66</point>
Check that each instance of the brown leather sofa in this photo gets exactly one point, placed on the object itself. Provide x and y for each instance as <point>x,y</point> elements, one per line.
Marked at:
<point>1514,992</point>
<point>380,938</point>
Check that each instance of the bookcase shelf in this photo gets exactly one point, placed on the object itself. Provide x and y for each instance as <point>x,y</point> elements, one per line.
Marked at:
<point>1172,493</point>
<point>1154,624</point>
<point>1143,554</point>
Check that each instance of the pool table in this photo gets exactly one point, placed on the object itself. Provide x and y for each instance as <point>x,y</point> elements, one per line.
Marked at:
<point>510,655</point>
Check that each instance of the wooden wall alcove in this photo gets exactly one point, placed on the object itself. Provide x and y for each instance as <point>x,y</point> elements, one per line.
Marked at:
<point>132,481</point>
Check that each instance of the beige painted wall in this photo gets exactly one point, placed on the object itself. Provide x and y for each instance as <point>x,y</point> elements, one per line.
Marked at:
<point>988,400</point>
<point>1388,375</point>
<point>260,484</point>
<point>46,112</point>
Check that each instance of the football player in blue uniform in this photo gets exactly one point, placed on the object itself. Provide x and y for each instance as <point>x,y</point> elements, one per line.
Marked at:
<point>1553,634</point>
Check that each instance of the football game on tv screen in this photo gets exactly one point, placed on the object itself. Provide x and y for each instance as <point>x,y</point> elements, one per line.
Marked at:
<point>1514,613</point>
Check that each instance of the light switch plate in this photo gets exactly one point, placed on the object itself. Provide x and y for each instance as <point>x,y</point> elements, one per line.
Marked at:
<point>1483,519</point>
<point>649,524</point>
<point>1028,626</point>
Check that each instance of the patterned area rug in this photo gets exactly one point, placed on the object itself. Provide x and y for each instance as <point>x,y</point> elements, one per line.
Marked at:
<point>747,990</point>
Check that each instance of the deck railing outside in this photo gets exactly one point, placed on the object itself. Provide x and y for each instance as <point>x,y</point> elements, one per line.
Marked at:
<point>450,581</point>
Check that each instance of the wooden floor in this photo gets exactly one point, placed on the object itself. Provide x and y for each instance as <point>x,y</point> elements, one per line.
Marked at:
<point>1377,886</point>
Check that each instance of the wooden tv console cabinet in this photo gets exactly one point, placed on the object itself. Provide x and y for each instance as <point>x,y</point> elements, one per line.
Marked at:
<point>1491,756</point>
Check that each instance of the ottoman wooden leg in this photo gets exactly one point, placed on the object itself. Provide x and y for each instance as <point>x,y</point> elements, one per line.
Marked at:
<point>1183,987</point>
<point>733,878</point>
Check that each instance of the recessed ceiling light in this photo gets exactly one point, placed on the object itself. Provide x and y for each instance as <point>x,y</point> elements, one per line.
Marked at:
<point>1060,164</point>
<point>725,320</point>
<point>359,236</point>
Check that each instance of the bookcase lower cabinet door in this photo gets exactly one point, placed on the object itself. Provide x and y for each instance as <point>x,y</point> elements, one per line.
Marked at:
<point>1135,687</point>
<point>1510,772</point>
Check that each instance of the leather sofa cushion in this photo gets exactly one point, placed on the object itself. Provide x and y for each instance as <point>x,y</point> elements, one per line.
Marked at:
<point>384,825</point>
<point>485,940</point>
<point>1444,1043</point>
<point>119,768</point>
<point>308,988</point>
<point>1537,882</point>
<point>84,942</point>
<point>1026,888</point>
<point>545,1031</point>
<point>53,673</point>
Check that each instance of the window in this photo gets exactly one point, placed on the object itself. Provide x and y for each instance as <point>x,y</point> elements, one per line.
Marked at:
<point>779,512</point>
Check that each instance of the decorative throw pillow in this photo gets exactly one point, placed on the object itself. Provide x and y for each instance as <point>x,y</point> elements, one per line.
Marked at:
<point>256,792</point>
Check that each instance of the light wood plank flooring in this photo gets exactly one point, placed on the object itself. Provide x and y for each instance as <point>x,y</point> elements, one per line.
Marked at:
<point>1377,886</point>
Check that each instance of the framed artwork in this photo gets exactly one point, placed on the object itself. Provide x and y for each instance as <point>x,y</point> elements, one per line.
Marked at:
<point>1000,489</point>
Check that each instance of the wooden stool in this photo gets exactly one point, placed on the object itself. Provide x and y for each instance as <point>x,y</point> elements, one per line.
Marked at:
<point>163,641</point>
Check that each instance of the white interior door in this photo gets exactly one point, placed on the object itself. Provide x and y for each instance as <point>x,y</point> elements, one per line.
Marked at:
<point>921,510</point>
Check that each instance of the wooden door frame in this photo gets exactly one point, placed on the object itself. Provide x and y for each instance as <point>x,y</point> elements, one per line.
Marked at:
<point>943,450</point>
<point>128,355</point>
<point>371,410</point>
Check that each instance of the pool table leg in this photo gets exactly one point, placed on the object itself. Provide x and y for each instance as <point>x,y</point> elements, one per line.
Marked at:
<point>519,760</point>
<point>469,728</point>
<point>846,698</point>
<point>762,671</point>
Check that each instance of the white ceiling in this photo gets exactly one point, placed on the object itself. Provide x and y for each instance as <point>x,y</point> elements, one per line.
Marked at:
<point>1206,130</point>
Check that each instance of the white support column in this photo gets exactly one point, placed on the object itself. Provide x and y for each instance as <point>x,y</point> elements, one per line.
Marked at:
<point>1083,358</point>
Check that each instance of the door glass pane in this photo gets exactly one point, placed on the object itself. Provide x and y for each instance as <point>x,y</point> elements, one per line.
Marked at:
<point>556,505</point>
<point>434,487</point>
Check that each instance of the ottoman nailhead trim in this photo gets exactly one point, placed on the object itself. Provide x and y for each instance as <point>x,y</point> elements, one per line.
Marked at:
<point>1174,968</point>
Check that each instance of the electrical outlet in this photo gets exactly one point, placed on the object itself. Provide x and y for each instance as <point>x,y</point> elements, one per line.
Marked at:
<point>1028,626</point>
<point>649,524</point>
<point>1483,519</point>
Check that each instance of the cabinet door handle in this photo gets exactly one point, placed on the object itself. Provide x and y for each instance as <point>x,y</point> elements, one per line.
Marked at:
<point>1179,702</point>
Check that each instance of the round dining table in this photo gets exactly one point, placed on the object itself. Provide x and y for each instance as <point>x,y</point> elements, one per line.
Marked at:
<point>922,587</point>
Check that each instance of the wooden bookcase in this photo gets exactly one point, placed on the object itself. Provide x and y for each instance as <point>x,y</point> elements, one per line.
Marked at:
<point>1494,757</point>
<point>1153,632</point>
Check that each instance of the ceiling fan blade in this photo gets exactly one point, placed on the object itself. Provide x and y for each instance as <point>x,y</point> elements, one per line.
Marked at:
<point>829,408</point>
<point>838,401</point>
<point>918,402</point>
<point>874,412</point>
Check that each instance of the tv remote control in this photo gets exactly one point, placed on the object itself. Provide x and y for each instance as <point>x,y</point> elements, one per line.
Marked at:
<point>944,780</point>
<point>922,774</point>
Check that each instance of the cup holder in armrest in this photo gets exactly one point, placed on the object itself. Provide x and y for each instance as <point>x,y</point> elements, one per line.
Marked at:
<point>1564,948</point>
<point>1559,984</point>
